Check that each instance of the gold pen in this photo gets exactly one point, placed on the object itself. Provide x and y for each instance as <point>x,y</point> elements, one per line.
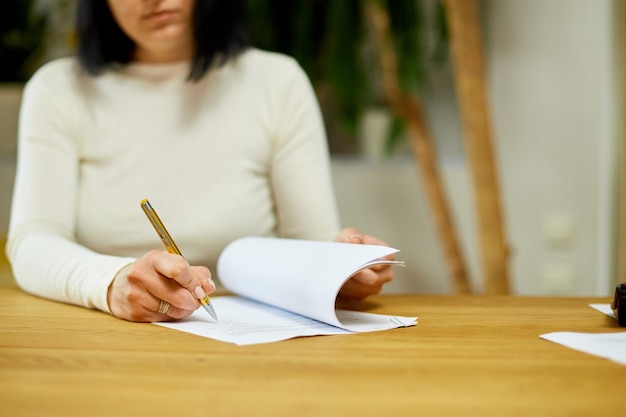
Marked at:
<point>171,246</point>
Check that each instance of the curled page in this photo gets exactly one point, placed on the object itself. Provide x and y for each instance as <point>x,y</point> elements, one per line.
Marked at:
<point>287,288</point>
<point>300,276</point>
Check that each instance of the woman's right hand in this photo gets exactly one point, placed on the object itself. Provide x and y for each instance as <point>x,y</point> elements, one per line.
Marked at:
<point>138,289</point>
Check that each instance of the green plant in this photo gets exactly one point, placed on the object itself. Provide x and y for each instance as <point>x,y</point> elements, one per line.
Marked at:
<point>333,43</point>
<point>21,31</point>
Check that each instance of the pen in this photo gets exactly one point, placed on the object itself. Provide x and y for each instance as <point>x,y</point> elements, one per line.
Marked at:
<point>171,246</point>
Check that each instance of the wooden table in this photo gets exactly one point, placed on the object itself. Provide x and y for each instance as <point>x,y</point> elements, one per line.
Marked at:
<point>468,356</point>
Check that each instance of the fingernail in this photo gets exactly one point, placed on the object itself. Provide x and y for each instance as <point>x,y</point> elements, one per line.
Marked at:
<point>199,292</point>
<point>356,237</point>
<point>212,283</point>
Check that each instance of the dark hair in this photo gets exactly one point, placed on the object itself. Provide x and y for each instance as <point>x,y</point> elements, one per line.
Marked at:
<point>218,27</point>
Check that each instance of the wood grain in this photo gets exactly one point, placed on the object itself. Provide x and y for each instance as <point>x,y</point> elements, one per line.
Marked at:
<point>469,355</point>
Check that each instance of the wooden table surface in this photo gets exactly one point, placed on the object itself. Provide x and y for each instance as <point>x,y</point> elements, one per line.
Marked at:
<point>468,355</point>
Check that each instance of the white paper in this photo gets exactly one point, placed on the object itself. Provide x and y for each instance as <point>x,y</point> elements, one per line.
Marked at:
<point>244,322</point>
<point>606,345</point>
<point>287,288</point>
<point>604,308</point>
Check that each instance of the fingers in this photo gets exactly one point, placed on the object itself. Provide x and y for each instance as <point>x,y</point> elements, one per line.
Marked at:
<point>372,277</point>
<point>369,281</point>
<point>352,235</point>
<point>168,290</point>
<point>138,289</point>
<point>356,290</point>
<point>196,280</point>
<point>165,311</point>
<point>349,235</point>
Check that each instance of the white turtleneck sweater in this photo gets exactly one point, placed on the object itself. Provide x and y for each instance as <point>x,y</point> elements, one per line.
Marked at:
<point>241,152</point>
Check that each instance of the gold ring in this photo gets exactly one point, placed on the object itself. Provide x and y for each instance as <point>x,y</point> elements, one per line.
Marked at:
<point>164,306</point>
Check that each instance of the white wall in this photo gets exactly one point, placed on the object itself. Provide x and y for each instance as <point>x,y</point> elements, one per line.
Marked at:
<point>555,91</point>
<point>387,200</point>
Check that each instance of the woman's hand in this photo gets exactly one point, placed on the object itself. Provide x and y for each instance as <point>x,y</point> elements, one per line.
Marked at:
<point>370,281</point>
<point>138,289</point>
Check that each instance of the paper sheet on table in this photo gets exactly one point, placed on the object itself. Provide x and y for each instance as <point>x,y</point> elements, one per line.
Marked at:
<point>243,321</point>
<point>603,308</point>
<point>606,345</point>
<point>287,288</point>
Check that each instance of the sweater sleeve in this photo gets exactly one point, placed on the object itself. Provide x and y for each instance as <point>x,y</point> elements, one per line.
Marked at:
<point>45,257</point>
<point>301,175</point>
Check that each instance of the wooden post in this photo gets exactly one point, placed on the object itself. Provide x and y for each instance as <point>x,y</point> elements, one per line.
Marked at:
<point>621,248</point>
<point>469,71</point>
<point>409,110</point>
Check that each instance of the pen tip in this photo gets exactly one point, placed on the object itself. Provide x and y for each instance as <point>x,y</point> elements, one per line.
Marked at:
<point>209,308</point>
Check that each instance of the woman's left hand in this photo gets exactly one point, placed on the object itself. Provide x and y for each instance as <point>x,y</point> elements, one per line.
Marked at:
<point>369,281</point>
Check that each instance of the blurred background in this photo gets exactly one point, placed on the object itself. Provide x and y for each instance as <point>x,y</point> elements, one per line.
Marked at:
<point>555,95</point>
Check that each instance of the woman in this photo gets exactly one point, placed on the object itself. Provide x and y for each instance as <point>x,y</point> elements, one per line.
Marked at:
<point>165,100</point>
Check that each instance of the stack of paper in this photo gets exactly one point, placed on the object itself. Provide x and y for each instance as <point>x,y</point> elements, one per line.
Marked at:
<point>287,288</point>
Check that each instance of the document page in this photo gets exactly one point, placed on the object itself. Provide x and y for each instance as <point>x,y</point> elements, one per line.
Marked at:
<point>244,322</point>
<point>606,345</point>
<point>300,276</point>
<point>287,288</point>
<point>603,308</point>
<point>611,346</point>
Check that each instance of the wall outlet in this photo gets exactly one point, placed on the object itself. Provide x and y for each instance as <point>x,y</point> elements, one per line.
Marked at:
<point>558,230</point>
<point>557,278</point>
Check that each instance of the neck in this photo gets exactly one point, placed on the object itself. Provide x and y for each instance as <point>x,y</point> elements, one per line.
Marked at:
<point>162,56</point>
